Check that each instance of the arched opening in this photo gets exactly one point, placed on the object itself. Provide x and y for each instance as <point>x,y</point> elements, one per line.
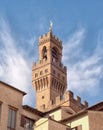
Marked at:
<point>55,53</point>
<point>44,53</point>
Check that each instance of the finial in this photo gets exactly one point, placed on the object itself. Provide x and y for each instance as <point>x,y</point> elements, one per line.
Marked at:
<point>51,25</point>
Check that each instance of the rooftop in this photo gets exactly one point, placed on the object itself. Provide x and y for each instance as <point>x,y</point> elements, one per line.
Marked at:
<point>8,85</point>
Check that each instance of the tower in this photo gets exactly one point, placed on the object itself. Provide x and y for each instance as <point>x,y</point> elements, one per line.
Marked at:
<point>49,76</point>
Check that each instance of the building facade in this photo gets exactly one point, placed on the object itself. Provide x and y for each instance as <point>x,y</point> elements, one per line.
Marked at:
<point>87,119</point>
<point>13,115</point>
<point>56,108</point>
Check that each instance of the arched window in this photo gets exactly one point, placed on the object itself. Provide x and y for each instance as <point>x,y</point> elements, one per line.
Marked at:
<point>55,53</point>
<point>44,53</point>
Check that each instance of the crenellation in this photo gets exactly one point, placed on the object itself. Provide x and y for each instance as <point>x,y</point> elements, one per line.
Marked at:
<point>60,41</point>
<point>43,61</point>
<point>59,65</point>
<point>65,68</point>
<point>39,63</point>
<point>56,38</point>
<point>85,103</point>
<point>53,36</point>
<point>45,34</point>
<point>59,100</point>
<point>68,100</point>
<point>78,100</point>
<point>41,37</point>
<point>69,95</point>
<point>49,36</point>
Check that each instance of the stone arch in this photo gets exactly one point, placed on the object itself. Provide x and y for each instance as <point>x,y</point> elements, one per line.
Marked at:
<point>44,53</point>
<point>55,54</point>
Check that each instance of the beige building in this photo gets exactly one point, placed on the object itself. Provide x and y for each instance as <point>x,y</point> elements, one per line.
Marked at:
<point>14,116</point>
<point>56,108</point>
<point>88,119</point>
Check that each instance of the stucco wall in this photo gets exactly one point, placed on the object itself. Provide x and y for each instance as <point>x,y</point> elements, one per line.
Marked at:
<point>82,120</point>
<point>96,120</point>
<point>56,126</point>
<point>49,124</point>
<point>9,97</point>
<point>57,115</point>
<point>41,124</point>
<point>12,97</point>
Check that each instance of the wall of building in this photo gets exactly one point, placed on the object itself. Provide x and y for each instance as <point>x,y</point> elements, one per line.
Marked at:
<point>49,124</point>
<point>56,115</point>
<point>28,114</point>
<point>41,124</point>
<point>66,112</point>
<point>81,120</point>
<point>60,113</point>
<point>10,97</point>
<point>57,126</point>
<point>96,120</point>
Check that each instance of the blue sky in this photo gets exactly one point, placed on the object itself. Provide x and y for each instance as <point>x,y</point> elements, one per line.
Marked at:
<point>79,24</point>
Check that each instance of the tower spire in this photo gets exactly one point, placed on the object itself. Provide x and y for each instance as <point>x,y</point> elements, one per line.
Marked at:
<point>51,26</point>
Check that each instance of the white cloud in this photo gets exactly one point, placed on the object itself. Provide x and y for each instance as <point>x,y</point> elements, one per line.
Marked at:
<point>84,72</point>
<point>15,67</point>
<point>70,47</point>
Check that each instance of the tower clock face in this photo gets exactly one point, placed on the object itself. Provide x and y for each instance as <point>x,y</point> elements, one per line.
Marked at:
<point>55,53</point>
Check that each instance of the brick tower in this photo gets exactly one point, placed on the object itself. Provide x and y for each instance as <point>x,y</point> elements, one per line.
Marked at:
<point>49,76</point>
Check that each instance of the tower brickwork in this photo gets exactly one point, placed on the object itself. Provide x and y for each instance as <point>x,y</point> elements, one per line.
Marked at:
<point>49,75</point>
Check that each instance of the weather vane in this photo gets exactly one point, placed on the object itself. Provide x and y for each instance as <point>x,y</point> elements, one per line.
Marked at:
<point>51,26</point>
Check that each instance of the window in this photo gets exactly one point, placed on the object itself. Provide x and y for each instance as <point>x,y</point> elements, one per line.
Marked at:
<point>63,78</point>
<point>53,71</point>
<point>55,53</point>
<point>36,75</point>
<point>42,97</point>
<point>27,122</point>
<point>41,72</point>
<point>52,102</point>
<point>58,75</point>
<point>43,106</point>
<point>44,53</point>
<point>11,119</point>
<point>46,70</point>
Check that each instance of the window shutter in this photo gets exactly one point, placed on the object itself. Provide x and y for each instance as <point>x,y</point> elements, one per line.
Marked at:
<point>22,120</point>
